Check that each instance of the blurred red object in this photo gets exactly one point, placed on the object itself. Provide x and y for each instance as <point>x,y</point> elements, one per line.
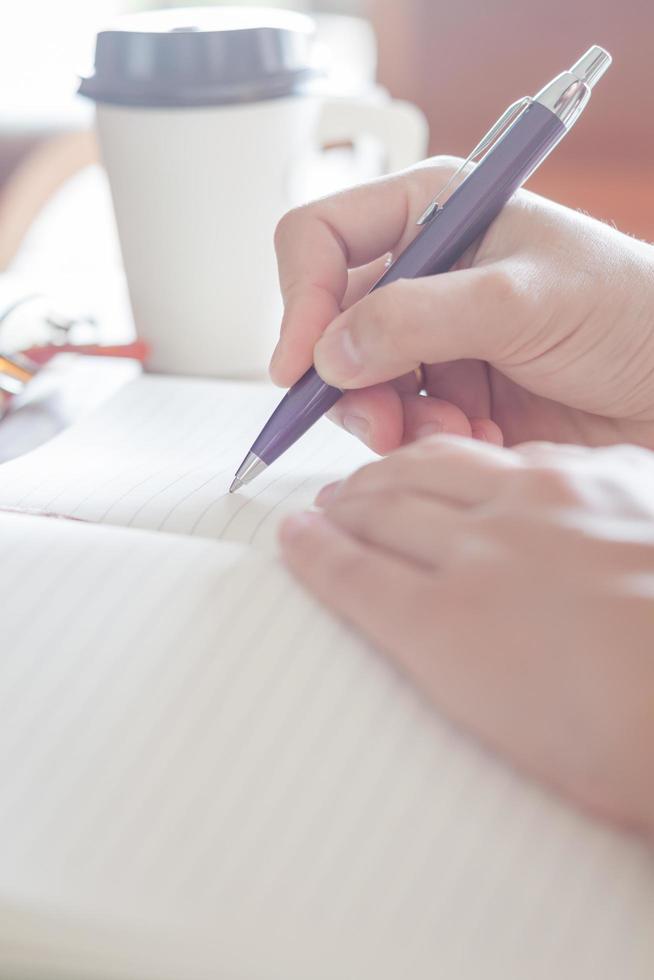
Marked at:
<point>17,370</point>
<point>138,350</point>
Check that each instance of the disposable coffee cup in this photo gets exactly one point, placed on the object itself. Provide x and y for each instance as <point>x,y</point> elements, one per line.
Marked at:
<point>204,116</point>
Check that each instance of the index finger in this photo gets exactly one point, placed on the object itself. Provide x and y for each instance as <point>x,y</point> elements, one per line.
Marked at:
<point>316,245</point>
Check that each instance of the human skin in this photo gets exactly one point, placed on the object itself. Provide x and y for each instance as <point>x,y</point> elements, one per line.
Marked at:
<point>515,586</point>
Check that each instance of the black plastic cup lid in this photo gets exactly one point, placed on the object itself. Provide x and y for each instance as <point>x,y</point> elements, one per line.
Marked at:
<point>202,56</point>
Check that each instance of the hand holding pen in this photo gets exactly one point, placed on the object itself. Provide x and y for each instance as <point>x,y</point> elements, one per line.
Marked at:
<point>540,333</point>
<point>451,224</point>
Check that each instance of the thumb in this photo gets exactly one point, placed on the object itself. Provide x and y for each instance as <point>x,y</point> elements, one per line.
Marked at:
<point>462,314</point>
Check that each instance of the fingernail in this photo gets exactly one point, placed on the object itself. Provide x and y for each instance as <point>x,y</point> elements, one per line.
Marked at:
<point>294,526</point>
<point>328,493</point>
<point>337,356</point>
<point>357,426</point>
<point>429,429</point>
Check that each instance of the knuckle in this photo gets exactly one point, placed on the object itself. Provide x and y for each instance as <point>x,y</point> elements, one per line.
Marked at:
<point>500,294</point>
<point>422,455</point>
<point>389,471</point>
<point>442,447</point>
<point>362,478</point>
<point>537,449</point>
<point>426,449</point>
<point>395,332</point>
<point>450,446</point>
<point>547,482</point>
<point>446,164</point>
<point>487,533</point>
<point>287,226</point>
<point>346,569</point>
<point>365,514</point>
<point>375,477</point>
<point>629,453</point>
<point>500,287</point>
<point>424,180</point>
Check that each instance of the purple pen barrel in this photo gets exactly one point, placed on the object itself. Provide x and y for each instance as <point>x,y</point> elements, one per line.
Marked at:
<point>299,409</point>
<point>442,241</point>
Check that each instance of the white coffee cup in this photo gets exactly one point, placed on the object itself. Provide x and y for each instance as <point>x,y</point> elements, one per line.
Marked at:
<point>205,119</point>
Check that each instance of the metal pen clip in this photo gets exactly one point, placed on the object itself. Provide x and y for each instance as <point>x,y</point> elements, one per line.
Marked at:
<point>507,118</point>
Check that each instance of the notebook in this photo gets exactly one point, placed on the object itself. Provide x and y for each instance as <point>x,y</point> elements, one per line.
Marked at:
<point>204,775</point>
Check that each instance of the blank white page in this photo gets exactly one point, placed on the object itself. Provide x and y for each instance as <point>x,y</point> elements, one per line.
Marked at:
<point>195,784</point>
<point>161,455</point>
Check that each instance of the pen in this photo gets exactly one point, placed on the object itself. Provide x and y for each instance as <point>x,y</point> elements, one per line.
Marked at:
<point>512,150</point>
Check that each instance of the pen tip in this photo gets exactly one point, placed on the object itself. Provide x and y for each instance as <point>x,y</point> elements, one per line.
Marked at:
<point>236,485</point>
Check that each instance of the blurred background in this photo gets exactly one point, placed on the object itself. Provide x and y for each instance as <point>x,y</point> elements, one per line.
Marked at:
<point>461,63</point>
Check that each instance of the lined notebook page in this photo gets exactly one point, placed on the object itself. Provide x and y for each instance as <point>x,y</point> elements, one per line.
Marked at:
<point>161,455</point>
<point>194,785</point>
